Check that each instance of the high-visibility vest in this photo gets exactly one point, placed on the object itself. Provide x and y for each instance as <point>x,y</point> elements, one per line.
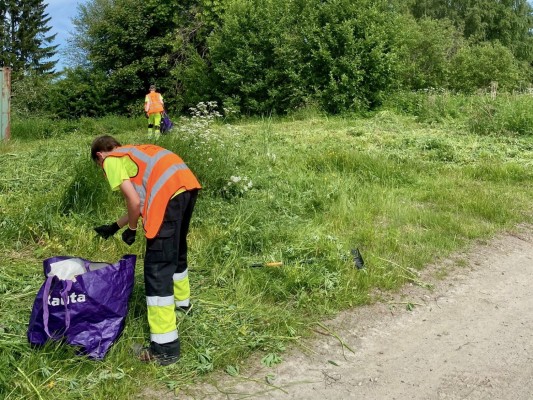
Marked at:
<point>155,103</point>
<point>161,174</point>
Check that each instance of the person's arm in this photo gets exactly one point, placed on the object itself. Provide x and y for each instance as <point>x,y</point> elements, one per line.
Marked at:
<point>133,203</point>
<point>146,104</point>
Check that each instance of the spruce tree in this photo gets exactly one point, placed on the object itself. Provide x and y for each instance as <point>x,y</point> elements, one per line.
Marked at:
<point>26,44</point>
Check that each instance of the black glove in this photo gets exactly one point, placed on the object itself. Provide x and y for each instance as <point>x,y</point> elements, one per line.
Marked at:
<point>128,236</point>
<point>106,231</point>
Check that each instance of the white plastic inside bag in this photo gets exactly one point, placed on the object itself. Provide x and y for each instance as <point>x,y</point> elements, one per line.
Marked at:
<point>67,269</point>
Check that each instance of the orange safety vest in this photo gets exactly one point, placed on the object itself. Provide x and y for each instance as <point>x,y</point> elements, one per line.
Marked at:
<point>161,174</point>
<point>155,103</point>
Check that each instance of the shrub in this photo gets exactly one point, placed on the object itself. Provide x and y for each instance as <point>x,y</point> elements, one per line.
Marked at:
<point>425,49</point>
<point>274,56</point>
<point>476,66</point>
<point>31,95</point>
<point>81,92</point>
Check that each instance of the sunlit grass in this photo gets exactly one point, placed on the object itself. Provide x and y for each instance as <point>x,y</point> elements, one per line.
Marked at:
<point>309,190</point>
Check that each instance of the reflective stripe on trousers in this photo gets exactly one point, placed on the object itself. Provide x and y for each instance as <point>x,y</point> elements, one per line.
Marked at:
<point>162,319</point>
<point>182,291</point>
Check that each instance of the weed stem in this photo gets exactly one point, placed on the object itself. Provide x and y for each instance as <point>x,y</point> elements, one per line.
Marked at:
<point>31,384</point>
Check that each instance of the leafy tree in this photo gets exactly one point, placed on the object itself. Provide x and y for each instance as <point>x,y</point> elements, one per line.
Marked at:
<point>508,21</point>
<point>24,37</point>
<point>242,54</point>
<point>425,51</point>
<point>273,55</point>
<point>128,41</point>
<point>190,67</point>
<point>476,66</point>
<point>81,92</point>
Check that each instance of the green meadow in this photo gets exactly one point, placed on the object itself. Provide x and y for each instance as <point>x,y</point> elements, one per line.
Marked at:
<point>408,185</point>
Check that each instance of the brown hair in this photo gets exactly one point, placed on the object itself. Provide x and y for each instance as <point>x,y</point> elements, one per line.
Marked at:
<point>103,143</point>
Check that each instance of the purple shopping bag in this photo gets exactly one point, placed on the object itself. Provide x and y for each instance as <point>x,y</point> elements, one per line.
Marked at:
<point>82,302</point>
<point>166,124</point>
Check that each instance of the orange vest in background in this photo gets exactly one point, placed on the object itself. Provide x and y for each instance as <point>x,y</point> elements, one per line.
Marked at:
<point>155,104</point>
<point>161,174</point>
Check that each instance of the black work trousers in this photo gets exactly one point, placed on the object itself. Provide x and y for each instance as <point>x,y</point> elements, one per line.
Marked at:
<point>165,268</point>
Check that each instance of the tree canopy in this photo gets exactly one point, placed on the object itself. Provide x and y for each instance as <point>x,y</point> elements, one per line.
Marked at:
<point>274,56</point>
<point>506,21</point>
<point>25,39</point>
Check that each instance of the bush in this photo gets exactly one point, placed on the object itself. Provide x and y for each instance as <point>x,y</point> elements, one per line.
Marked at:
<point>31,95</point>
<point>273,56</point>
<point>476,66</point>
<point>425,49</point>
<point>81,92</point>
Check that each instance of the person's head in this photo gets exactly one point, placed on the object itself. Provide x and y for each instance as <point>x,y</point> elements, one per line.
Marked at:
<point>103,144</point>
<point>152,88</point>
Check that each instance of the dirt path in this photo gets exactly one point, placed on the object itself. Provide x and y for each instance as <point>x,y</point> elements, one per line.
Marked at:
<point>468,338</point>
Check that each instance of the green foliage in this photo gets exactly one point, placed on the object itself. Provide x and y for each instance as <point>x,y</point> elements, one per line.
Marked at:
<point>243,56</point>
<point>345,53</point>
<point>31,96</point>
<point>193,74</point>
<point>509,21</point>
<point>80,93</point>
<point>23,41</point>
<point>476,66</point>
<point>128,41</point>
<point>274,56</point>
<point>425,50</point>
<point>196,21</point>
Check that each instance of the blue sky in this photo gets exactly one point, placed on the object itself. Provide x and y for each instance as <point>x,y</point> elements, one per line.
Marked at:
<point>62,12</point>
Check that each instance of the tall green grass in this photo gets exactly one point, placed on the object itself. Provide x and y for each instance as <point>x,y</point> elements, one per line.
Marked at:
<point>44,127</point>
<point>304,191</point>
<point>505,114</point>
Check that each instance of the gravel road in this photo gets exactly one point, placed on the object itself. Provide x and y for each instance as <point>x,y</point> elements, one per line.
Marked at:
<point>469,337</point>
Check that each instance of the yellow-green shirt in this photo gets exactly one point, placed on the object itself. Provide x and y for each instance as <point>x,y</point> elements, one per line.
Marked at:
<point>119,169</point>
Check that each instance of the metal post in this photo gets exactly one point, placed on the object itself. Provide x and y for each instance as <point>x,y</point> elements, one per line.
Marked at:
<point>5,103</point>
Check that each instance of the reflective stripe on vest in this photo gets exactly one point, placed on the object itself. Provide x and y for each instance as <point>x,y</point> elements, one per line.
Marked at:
<point>163,179</point>
<point>157,180</point>
<point>150,164</point>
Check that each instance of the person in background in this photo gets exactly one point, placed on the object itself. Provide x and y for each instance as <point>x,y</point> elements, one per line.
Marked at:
<point>154,107</point>
<point>159,187</point>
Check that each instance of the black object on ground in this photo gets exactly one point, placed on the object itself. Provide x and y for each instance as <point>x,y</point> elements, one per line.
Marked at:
<point>358,259</point>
